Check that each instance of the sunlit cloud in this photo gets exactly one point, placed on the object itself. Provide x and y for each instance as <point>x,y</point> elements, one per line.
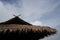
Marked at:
<point>37,23</point>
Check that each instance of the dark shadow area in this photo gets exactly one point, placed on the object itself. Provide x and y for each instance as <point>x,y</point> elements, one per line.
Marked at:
<point>23,35</point>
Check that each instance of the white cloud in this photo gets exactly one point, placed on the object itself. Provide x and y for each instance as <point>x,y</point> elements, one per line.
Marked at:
<point>39,6</point>
<point>34,9</point>
<point>30,9</point>
<point>7,11</point>
<point>38,23</point>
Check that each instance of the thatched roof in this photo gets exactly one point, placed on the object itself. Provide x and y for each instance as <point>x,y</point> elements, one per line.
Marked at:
<point>16,20</point>
<point>37,32</point>
<point>26,28</point>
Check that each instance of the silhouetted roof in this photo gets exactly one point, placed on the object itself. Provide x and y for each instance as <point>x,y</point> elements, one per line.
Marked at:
<point>17,23</point>
<point>16,20</point>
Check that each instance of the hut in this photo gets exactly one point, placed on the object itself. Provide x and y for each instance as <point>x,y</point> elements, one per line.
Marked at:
<point>18,29</point>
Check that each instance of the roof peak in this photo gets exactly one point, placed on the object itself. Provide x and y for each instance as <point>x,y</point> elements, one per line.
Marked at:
<point>16,20</point>
<point>17,15</point>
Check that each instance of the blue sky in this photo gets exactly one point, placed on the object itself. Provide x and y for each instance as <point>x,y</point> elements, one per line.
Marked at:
<point>37,12</point>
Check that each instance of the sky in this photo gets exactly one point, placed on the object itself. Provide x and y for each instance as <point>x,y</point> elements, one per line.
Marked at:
<point>36,12</point>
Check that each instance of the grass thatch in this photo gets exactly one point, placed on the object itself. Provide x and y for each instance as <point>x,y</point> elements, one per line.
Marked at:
<point>26,32</point>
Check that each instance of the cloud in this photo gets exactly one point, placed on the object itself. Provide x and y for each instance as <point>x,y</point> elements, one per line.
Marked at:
<point>7,11</point>
<point>31,10</point>
<point>16,3</point>
<point>37,12</point>
<point>37,23</point>
<point>52,18</point>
